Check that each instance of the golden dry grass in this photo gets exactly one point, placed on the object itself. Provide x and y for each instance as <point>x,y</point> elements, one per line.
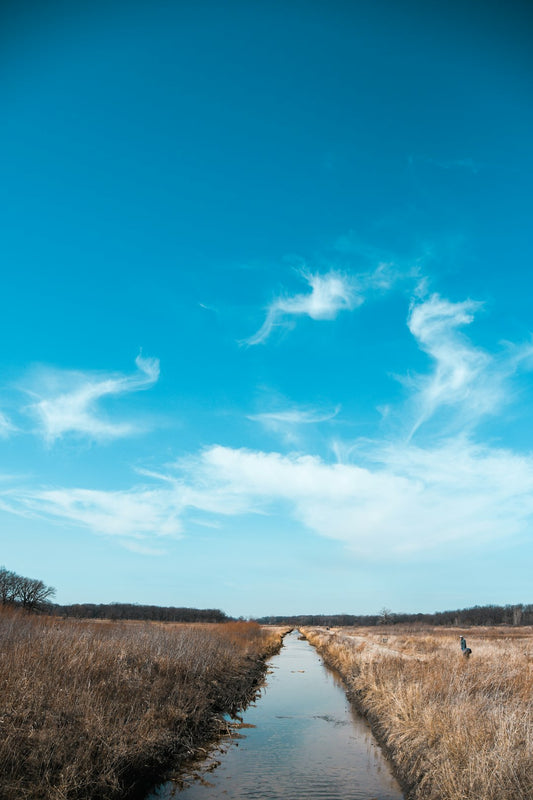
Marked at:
<point>455,728</point>
<point>88,710</point>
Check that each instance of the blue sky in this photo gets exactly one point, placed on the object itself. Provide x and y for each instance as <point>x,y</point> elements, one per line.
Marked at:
<point>266,304</point>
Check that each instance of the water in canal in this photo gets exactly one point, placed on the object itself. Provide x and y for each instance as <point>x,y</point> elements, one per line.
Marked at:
<point>301,739</point>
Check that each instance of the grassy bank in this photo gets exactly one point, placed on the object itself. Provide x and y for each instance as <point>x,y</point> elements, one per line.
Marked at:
<point>455,728</point>
<point>90,710</point>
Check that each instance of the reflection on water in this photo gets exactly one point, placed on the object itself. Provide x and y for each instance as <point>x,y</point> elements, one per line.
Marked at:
<point>300,740</point>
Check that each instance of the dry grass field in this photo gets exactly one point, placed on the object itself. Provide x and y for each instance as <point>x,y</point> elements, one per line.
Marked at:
<point>95,709</point>
<point>455,728</point>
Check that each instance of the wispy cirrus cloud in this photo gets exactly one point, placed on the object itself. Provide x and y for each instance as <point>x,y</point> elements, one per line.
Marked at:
<point>134,516</point>
<point>294,416</point>
<point>68,402</point>
<point>131,515</point>
<point>6,426</point>
<point>289,422</point>
<point>466,380</point>
<point>459,376</point>
<point>330,294</point>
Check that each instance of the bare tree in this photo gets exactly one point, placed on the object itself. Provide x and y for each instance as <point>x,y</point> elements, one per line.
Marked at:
<point>31,593</point>
<point>8,586</point>
<point>385,616</point>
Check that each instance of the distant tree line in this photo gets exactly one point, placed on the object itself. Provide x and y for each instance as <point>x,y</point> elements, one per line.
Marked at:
<point>477,615</point>
<point>29,593</point>
<point>332,620</point>
<point>117,611</point>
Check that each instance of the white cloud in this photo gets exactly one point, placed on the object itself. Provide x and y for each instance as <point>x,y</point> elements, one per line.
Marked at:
<point>411,499</point>
<point>396,500</point>
<point>294,416</point>
<point>464,376</point>
<point>131,514</point>
<point>290,422</point>
<point>6,427</point>
<point>68,401</point>
<point>330,293</point>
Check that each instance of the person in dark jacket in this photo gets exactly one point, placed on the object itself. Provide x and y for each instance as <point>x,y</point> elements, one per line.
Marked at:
<point>466,650</point>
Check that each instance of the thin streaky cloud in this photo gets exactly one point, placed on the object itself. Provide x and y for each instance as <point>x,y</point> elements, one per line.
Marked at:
<point>390,269</point>
<point>68,401</point>
<point>295,416</point>
<point>141,549</point>
<point>131,514</point>
<point>6,426</point>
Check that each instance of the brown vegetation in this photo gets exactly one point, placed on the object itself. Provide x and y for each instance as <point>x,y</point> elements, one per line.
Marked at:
<point>92,709</point>
<point>455,728</point>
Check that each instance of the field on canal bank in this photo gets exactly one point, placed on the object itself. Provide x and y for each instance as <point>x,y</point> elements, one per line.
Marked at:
<point>90,709</point>
<point>455,728</point>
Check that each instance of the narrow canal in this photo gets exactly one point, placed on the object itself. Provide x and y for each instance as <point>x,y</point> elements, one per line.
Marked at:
<point>301,739</point>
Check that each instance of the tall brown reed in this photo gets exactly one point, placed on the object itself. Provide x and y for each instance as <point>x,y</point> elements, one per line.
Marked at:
<point>88,710</point>
<point>455,728</point>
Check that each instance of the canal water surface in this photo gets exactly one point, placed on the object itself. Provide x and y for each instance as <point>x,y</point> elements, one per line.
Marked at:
<point>301,740</point>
